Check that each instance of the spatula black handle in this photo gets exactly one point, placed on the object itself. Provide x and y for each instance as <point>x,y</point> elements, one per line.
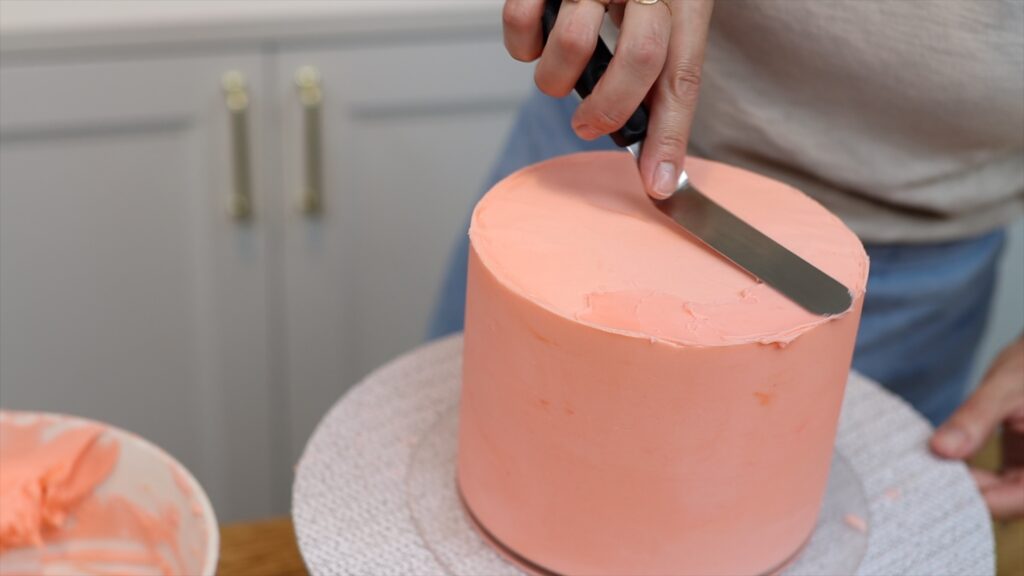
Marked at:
<point>635,129</point>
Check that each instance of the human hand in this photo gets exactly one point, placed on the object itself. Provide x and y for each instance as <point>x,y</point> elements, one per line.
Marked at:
<point>999,399</point>
<point>657,60</point>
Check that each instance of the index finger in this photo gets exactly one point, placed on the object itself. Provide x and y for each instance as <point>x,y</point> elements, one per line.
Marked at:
<point>569,47</point>
<point>521,25</point>
<point>966,430</point>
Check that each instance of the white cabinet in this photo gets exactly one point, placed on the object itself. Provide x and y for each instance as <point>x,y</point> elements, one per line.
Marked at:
<point>129,294</point>
<point>409,133</point>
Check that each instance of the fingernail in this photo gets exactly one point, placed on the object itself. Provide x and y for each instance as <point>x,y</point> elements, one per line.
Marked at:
<point>950,440</point>
<point>585,131</point>
<point>664,180</point>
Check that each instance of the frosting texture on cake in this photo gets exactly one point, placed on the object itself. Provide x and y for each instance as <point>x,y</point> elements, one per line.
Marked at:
<point>578,236</point>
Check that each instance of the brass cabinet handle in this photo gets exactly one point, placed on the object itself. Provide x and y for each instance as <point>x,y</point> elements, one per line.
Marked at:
<point>236,98</point>
<point>307,79</point>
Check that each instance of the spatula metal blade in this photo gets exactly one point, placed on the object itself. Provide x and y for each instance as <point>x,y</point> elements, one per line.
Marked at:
<point>759,255</point>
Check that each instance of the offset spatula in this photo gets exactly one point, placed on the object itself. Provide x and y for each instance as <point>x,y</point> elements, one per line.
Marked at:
<point>719,229</point>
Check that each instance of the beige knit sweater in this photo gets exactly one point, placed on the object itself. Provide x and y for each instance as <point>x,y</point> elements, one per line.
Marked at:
<point>905,117</point>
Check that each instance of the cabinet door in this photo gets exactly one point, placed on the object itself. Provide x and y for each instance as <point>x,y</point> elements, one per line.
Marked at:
<point>409,131</point>
<point>127,293</point>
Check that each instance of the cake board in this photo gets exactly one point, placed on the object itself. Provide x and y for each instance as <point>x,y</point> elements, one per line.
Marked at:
<point>375,490</point>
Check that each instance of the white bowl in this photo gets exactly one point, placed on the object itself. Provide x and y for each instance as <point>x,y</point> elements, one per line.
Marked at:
<point>149,478</point>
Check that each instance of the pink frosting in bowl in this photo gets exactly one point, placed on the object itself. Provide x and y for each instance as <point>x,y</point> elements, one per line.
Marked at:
<point>78,496</point>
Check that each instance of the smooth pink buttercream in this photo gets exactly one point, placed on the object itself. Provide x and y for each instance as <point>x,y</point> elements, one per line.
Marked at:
<point>581,242</point>
<point>632,403</point>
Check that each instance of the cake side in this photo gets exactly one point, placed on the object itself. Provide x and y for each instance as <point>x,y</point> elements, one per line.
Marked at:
<point>590,446</point>
<point>591,452</point>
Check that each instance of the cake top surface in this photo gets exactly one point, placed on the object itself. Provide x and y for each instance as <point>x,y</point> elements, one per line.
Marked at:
<point>578,236</point>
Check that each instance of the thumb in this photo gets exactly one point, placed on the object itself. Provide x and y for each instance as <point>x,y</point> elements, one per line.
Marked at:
<point>674,98</point>
<point>973,422</point>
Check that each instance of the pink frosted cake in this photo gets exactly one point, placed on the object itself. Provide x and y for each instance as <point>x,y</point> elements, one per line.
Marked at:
<point>631,402</point>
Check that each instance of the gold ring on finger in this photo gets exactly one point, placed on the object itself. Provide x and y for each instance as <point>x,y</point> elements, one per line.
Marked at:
<point>652,2</point>
<point>604,3</point>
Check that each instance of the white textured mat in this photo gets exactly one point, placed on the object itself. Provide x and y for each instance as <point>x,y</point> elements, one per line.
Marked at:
<point>370,494</point>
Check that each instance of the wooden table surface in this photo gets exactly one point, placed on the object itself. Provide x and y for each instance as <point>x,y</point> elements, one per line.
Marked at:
<point>268,547</point>
<point>264,548</point>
